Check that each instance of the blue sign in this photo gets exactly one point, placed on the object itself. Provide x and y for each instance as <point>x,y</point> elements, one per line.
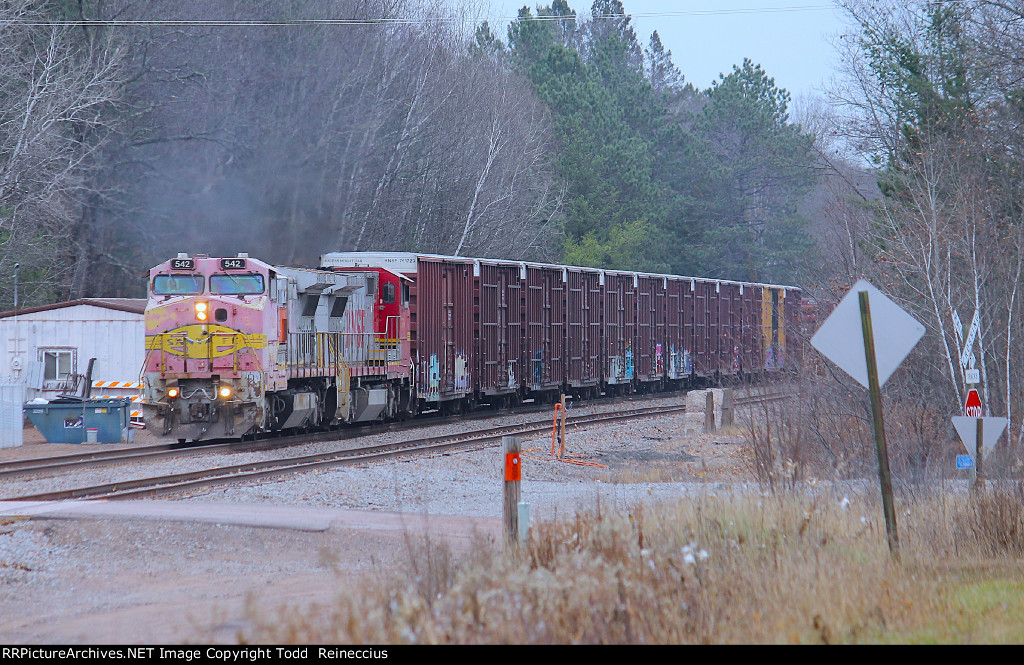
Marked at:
<point>964,462</point>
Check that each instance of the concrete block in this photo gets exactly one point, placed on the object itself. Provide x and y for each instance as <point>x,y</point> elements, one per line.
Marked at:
<point>700,412</point>
<point>724,409</point>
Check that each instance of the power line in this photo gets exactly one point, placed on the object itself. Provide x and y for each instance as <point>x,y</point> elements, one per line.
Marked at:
<point>247,23</point>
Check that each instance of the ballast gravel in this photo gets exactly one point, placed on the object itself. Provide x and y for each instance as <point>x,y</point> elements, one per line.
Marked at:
<point>128,581</point>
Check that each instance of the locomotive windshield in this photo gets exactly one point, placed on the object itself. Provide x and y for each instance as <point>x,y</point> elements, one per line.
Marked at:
<point>177,285</point>
<point>240,285</point>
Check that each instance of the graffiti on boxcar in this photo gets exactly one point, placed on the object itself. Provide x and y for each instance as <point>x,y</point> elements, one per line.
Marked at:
<point>679,362</point>
<point>621,367</point>
<point>538,368</point>
<point>774,358</point>
<point>433,378</point>
<point>675,362</point>
<point>461,371</point>
<point>615,369</point>
<point>511,375</point>
<point>659,364</point>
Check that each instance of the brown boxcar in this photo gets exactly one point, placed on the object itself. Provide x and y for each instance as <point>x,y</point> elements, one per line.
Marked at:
<point>730,328</point>
<point>750,339</point>
<point>619,317</point>
<point>583,329</point>
<point>443,328</point>
<point>705,328</point>
<point>499,327</point>
<point>545,321</point>
<point>650,328</point>
<point>679,299</point>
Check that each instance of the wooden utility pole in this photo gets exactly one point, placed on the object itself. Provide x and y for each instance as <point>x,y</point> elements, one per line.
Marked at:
<point>513,475</point>
<point>875,391</point>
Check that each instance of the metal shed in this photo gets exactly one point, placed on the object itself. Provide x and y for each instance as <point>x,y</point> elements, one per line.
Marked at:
<point>48,347</point>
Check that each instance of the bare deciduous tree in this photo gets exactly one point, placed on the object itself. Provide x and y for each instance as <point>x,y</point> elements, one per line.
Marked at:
<point>55,98</point>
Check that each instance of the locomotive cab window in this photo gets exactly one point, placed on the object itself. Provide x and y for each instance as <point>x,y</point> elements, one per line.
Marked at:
<point>177,285</point>
<point>236,285</point>
<point>388,293</point>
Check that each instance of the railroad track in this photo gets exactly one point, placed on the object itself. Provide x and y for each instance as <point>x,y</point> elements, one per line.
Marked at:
<point>175,483</point>
<point>144,487</point>
<point>42,466</point>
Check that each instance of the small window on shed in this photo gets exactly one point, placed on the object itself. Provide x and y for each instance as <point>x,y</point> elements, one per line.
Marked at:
<point>58,365</point>
<point>309,304</point>
<point>338,308</point>
<point>388,294</point>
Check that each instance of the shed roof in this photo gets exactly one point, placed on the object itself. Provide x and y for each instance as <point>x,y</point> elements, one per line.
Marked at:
<point>133,305</point>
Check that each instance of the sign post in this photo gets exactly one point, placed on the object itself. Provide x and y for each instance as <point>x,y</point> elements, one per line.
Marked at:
<point>979,436</point>
<point>887,339</point>
<point>972,409</point>
<point>875,392</point>
<point>979,480</point>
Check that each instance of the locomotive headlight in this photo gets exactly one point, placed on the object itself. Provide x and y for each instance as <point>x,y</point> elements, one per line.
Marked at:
<point>202,310</point>
<point>225,392</point>
<point>172,392</point>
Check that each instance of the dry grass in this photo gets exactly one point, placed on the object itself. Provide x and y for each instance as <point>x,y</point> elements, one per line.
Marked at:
<point>785,567</point>
<point>658,474</point>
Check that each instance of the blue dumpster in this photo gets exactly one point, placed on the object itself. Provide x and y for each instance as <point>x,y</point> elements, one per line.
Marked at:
<point>67,420</point>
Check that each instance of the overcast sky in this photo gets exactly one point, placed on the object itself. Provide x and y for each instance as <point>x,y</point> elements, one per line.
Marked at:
<point>790,39</point>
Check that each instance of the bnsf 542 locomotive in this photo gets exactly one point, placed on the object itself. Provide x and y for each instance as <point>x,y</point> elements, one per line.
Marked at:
<point>235,345</point>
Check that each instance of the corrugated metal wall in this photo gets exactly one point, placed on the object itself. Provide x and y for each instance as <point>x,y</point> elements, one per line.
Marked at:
<point>115,338</point>
<point>12,397</point>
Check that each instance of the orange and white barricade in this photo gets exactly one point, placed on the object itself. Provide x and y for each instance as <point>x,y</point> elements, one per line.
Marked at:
<point>128,389</point>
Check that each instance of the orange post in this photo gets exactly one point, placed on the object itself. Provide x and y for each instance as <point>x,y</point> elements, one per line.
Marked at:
<point>554,428</point>
<point>558,429</point>
<point>561,430</point>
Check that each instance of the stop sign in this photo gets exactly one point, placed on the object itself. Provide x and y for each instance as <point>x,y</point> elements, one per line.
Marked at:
<point>972,407</point>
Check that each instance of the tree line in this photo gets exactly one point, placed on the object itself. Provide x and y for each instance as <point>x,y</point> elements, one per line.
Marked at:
<point>130,130</point>
<point>932,102</point>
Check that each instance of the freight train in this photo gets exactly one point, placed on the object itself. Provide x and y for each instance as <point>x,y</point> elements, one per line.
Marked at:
<point>236,346</point>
